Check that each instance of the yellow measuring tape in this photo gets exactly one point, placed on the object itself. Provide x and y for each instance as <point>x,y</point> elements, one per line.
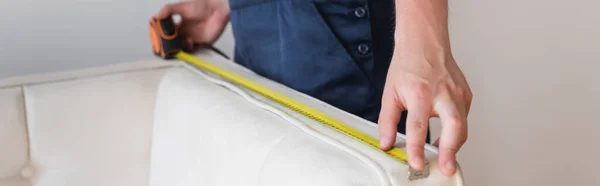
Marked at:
<point>290,103</point>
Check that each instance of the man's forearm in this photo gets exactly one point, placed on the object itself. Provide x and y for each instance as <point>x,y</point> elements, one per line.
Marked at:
<point>422,25</point>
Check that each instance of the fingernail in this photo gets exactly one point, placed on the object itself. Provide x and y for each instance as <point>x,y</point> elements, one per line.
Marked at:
<point>383,143</point>
<point>418,161</point>
<point>449,165</point>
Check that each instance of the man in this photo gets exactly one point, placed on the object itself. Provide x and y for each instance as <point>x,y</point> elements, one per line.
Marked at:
<point>373,58</point>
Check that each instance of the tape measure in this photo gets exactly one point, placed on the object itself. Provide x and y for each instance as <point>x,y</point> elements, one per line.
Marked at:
<point>167,44</point>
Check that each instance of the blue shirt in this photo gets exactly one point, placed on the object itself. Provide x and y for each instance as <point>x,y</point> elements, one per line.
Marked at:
<point>336,51</point>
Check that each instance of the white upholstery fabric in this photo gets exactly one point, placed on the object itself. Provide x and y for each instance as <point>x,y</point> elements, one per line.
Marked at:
<point>13,136</point>
<point>154,123</point>
<point>199,125</point>
<point>15,182</point>
<point>96,125</point>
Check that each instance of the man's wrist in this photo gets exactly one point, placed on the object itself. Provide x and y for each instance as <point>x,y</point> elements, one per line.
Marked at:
<point>422,28</point>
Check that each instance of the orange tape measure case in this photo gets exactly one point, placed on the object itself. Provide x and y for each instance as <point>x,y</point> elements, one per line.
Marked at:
<point>164,34</point>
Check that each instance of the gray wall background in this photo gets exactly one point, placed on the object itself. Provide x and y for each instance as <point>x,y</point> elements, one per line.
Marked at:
<point>533,67</point>
<point>54,35</point>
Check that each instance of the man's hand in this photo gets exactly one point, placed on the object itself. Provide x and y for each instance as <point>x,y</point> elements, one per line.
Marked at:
<point>202,21</point>
<point>424,79</point>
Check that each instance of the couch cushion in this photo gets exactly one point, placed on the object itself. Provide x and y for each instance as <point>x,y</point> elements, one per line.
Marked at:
<point>13,137</point>
<point>92,130</point>
<point>15,181</point>
<point>205,134</point>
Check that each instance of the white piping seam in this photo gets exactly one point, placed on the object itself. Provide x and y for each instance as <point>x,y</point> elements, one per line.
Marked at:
<point>28,122</point>
<point>383,177</point>
<point>67,76</point>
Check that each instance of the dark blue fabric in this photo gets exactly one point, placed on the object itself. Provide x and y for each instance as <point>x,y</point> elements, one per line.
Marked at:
<point>336,51</point>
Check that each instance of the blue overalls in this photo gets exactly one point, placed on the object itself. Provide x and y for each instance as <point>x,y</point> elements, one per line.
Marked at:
<point>336,51</point>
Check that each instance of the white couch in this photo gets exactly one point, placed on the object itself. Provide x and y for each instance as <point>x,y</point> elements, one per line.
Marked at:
<point>165,123</point>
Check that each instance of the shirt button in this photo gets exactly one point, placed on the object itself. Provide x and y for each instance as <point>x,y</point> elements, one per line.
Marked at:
<point>360,12</point>
<point>363,49</point>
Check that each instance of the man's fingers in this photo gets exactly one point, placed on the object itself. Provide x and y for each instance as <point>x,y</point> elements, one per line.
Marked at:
<point>188,44</point>
<point>453,136</point>
<point>388,120</point>
<point>180,8</point>
<point>467,106</point>
<point>419,112</point>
